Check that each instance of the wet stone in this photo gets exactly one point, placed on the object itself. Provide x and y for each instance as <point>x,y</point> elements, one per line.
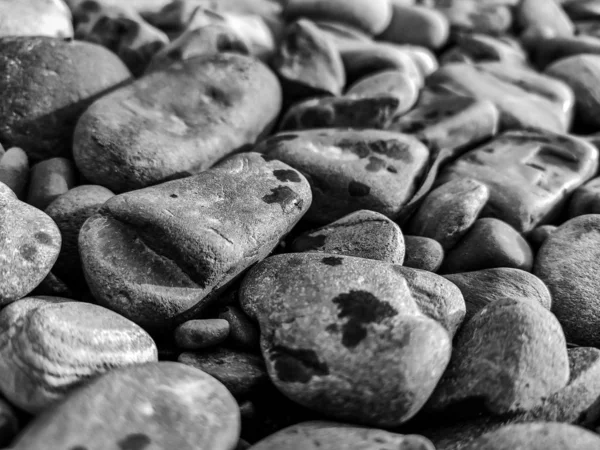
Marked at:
<point>320,320</point>
<point>364,234</point>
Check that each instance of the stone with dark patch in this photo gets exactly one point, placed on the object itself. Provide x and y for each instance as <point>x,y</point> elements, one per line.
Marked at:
<point>358,189</point>
<point>310,243</point>
<point>332,261</point>
<point>287,175</point>
<point>28,252</point>
<point>136,441</point>
<point>297,365</point>
<point>375,164</point>
<point>285,196</point>
<point>348,340</point>
<point>43,238</point>
<point>360,308</point>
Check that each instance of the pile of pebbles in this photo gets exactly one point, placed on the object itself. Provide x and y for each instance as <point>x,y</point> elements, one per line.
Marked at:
<point>299,224</point>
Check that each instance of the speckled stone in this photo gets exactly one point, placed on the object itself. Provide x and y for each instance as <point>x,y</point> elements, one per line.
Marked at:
<point>504,373</point>
<point>350,170</point>
<point>364,234</point>
<point>39,108</point>
<point>50,18</point>
<point>240,372</point>
<point>568,263</point>
<point>69,212</point>
<point>449,211</point>
<point>14,171</point>
<point>161,254</point>
<point>537,436</point>
<point>330,435</point>
<point>529,174</point>
<point>157,405</point>
<point>344,336</point>
<point>51,345</point>
<point>198,334</point>
<point>482,287</point>
<point>30,242</point>
<point>149,131</point>
<point>423,253</point>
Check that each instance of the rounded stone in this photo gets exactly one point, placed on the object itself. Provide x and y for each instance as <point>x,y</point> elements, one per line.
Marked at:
<point>585,199</point>
<point>364,234</point>
<point>50,18</point>
<point>243,333</point>
<point>423,253</point>
<point>569,262</point>
<point>331,435</point>
<point>14,170</point>
<point>30,243</point>
<point>197,334</point>
<point>49,348</point>
<point>158,405</point>
<point>372,16</point>
<point>48,83</point>
<point>50,179</point>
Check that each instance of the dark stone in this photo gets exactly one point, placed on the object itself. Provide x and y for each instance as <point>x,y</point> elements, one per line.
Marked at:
<point>356,189</point>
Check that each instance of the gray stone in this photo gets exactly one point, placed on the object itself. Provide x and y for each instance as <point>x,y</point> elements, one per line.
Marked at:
<point>50,18</point>
<point>197,334</point>
<point>160,405</point>
<point>482,287</point>
<point>30,244</point>
<point>243,333</point>
<point>50,179</point>
<point>423,253</point>
<point>568,263</point>
<point>364,234</point>
<point>161,254</point>
<point>585,199</point>
<point>49,346</point>
<point>14,170</point>
<point>344,336</point>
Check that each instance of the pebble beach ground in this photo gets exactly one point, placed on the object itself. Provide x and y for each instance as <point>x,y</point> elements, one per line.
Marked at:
<point>300,224</point>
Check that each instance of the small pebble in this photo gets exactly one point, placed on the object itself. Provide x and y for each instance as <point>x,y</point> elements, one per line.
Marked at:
<point>14,171</point>
<point>198,334</point>
<point>50,179</point>
<point>423,253</point>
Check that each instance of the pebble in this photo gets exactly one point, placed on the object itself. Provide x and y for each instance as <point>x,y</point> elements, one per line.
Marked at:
<point>156,405</point>
<point>475,48</point>
<point>149,131</point>
<point>538,236</point>
<point>39,108</point>
<point>580,73</point>
<point>50,179</point>
<point>241,373</point>
<point>14,171</point>
<point>477,16</point>
<point>567,263</point>
<point>170,275</point>
<point>501,373</point>
<point>525,98</point>
<point>309,435</point>
<point>308,62</point>
<point>423,253</point>
<point>29,242</point>
<point>418,25</point>
<point>544,14</point>
<point>243,333</point>
<point>199,334</point>
<point>483,287</point>
<point>585,199</point>
<point>449,211</point>
<point>51,346</point>
<point>120,29</point>
<point>537,436</point>
<point>70,211</point>
<point>489,243</point>
<point>529,174</point>
<point>50,18</point>
<point>364,234</point>
<point>352,170</point>
<point>331,326</point>
<point>449,121</point>
<point>371,16</point>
